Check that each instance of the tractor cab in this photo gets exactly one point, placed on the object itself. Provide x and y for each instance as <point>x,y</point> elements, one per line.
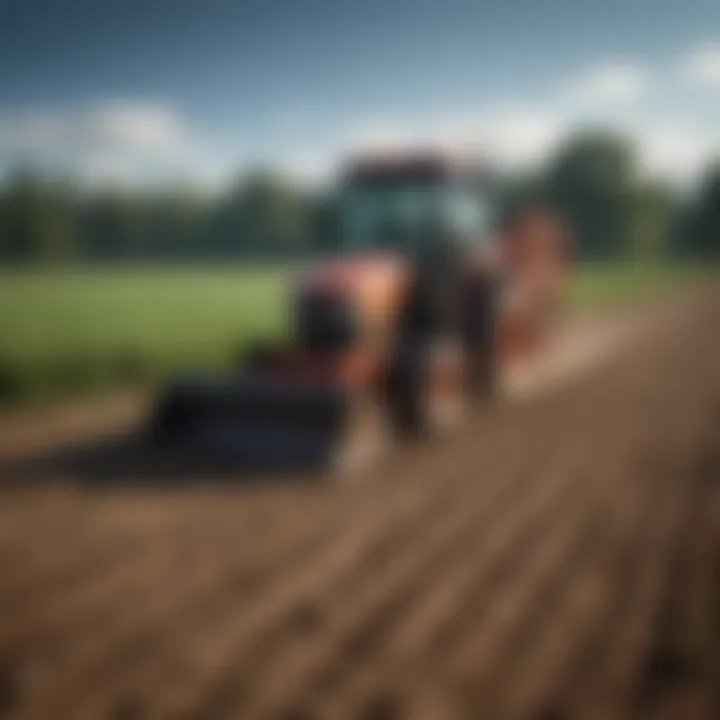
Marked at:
<point>410,205</point>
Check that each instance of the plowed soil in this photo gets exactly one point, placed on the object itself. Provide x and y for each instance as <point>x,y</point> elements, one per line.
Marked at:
<point>556,558</point>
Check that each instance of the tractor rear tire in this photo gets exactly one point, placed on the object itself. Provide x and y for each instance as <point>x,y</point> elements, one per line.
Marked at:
<point>427,387</point>
<point>481,320</point>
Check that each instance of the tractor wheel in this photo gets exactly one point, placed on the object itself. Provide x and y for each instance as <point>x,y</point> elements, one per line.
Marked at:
<point>427,388</point>
<point>364,439</point>
<point>482,338</point>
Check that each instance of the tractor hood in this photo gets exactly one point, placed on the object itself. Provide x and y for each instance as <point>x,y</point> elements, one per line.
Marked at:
<point>350,275</point>
<point>373,283</point>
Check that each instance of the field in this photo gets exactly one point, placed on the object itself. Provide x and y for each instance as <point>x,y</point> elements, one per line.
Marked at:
<point>68,330</point>
<point>63,332</point>
<point>557,559</point>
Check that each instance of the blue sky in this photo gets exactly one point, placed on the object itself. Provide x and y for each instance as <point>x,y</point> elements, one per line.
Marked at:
<point>169,88</point>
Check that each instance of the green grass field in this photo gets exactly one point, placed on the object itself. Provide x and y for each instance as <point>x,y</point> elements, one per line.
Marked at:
<point>68,331</point>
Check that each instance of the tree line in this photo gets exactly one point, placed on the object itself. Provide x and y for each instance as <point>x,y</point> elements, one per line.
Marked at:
<point>593,179</point>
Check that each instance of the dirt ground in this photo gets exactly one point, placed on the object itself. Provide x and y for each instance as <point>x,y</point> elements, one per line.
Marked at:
<point>557,558</point>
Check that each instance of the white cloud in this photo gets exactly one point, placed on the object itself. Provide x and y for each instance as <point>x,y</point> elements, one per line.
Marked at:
<point>142,128</point>
<point>314,168</point>
<point>150,141</point>
<point>113,141</point>
<point>610,82</point>
<point>521,137</point>
<point>509,136</point>
<point>676,152</point>
<point>518,138</point>
<point>702,67</point>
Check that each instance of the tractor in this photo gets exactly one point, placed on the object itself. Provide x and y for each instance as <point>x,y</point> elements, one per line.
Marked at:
<point>429,293</point>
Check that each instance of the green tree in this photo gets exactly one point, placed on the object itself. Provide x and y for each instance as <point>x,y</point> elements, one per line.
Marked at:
<point>265,215</point>
<point>592,180</point>
<point>654,212</point>
<point>117,226</point>
<point>704,226</point>
<point>38,220</point>
<point>175,223</point>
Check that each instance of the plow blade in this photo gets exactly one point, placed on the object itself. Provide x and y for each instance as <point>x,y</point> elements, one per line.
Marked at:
<point>266,423</point>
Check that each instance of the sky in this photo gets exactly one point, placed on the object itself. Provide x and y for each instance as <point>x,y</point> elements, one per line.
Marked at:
<point>167,90</point>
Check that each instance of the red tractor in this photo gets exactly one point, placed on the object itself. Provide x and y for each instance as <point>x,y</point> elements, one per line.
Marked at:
<point>430,294</point>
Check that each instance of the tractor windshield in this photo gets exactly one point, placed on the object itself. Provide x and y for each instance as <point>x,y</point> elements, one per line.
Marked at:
<point>401,215</point>
<point>388,215</point>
